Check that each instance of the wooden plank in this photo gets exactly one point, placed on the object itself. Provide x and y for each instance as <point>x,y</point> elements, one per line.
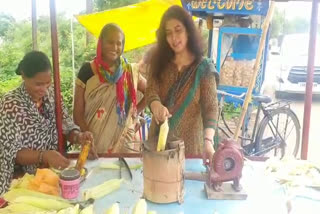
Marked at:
<point>227,193</point>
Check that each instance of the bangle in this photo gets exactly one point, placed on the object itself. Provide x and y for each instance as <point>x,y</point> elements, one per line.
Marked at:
<point>40,160</point>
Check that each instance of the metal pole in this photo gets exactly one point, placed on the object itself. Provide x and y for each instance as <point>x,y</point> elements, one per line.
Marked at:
<point>72,51</point>
<point>309,84</point>
<point>89,9</point>
<point>34,25</point>
<point>210,43</point>
<point>55,61</point>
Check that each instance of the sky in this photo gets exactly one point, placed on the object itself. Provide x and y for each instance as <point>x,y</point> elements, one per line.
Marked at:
<point>21,9</point>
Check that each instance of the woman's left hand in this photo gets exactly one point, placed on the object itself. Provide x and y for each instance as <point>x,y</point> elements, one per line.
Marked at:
<point>208,152</point>
<point>87,136</point>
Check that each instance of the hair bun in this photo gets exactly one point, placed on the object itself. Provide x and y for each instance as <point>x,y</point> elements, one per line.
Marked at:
<point>19,68</point>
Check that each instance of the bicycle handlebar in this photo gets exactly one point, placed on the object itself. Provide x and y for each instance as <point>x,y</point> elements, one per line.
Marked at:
<point>239,97</point>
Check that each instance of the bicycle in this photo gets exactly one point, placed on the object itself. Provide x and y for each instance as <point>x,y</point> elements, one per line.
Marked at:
<point>267,135</point>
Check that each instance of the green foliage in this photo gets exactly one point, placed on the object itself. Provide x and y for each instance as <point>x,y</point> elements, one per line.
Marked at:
<point>17,41</point>
<point>231,111</point>
<point>100,5</point>
<point>8,85</point>
<point>6,22</point>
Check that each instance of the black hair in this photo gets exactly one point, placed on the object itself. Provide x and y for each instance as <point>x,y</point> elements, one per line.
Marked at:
<point>111,27</point>
<point>163,52</point>
<point>33,63</point>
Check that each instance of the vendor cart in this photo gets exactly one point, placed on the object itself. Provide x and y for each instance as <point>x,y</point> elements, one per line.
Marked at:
<point>235,28</point>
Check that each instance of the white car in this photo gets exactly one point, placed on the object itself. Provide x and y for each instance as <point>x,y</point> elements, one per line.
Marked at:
<point>291,79</point>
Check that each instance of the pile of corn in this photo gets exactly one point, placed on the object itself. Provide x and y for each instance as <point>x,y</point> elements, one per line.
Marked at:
<point>294,172</point>
<point>139,208</point>
<point>24,201</point>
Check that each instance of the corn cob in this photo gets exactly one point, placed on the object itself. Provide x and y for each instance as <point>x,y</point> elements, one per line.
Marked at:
<point>114,209</point>
<point>20,208</point>
<point>42,203</point>
<point>82,159</point>
<point>15,193</point>
<point>117,166</point>
<point>88,210</point>
<point>140,207</point>
<point>70,210</point>
<point>102,189</point>
<point>164,129</point>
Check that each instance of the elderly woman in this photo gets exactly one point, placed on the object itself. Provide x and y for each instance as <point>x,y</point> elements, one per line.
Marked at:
<point>28,134</point>
<point>105,95</point>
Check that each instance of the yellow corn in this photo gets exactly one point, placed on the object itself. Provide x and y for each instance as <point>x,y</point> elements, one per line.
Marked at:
<point>20,208</point>
<point>140,207</point>
<point>102,189</point>
<point>82,159</point>
<point>116,166</point>
<point>21,182</point>
<point>11,195</point>
<point>88,210</point>
<point>164,129</point>
<point>70,210</point>
<point>42,203</point>
<point>114,209</point>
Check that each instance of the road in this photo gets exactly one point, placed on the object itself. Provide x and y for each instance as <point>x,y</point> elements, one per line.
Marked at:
<point>298,107</point>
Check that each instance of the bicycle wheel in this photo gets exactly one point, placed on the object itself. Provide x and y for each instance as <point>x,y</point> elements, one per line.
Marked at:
<point>280,135</point>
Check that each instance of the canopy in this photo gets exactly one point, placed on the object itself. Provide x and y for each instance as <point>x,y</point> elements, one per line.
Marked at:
<point>138,21</point>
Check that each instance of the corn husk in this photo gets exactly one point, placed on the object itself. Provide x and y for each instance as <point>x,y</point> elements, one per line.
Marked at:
<point>293,172</point>
<point>21,182</point>
<point>88,210</point>
<point>117,166</point>
<point>102,189</point>
<point>42,203</point>
<point>140,207</point>
<point>70,210</point>
<point>20,208</point>
<point>114,209</point>
<point>12,194</point>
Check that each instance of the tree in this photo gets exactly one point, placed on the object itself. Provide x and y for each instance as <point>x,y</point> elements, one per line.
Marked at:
<point>277,23</point>
<point>280,25</point>
<point>101,5</point>
<point>89,9</point>
<point>6,22</point>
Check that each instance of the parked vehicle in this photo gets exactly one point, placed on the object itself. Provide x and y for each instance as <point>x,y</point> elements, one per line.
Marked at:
<point>292,76</point>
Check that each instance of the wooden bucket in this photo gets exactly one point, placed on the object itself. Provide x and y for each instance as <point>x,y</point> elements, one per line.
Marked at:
<point>163,172</point>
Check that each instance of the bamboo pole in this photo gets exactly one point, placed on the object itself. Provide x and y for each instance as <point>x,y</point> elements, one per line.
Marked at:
<point>256,68</point>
